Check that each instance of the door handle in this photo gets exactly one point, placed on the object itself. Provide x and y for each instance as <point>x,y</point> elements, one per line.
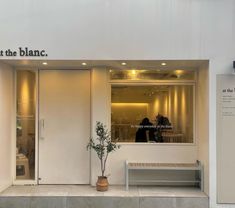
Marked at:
<point>41,128</point>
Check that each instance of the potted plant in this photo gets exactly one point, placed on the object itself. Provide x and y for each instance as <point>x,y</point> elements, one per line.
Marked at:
<point>102,145</point>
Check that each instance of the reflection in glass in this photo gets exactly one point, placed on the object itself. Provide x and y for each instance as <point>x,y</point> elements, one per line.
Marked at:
<point>160,113</point>
<point>25,124</point>
<point>132,74</point>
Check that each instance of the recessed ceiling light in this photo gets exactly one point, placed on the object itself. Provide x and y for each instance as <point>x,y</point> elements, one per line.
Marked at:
<point>133,72</point>
<point>44,63</point>
<point>123,63</point>
<point>163,64</point>
<point>84,64</point>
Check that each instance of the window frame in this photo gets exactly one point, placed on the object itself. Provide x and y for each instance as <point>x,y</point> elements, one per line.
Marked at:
<point>192,83</point>
<point>14,131</point>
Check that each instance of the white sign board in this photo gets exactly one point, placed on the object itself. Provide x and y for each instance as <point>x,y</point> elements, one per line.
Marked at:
<point>225,138</point>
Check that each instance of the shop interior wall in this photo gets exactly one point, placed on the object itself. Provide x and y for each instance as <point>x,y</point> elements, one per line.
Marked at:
<point>6,118</point>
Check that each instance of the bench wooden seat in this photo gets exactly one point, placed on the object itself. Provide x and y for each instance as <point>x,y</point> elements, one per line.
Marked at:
<point>164,166</point>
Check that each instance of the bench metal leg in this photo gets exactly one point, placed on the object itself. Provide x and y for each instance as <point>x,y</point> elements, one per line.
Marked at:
<point>127,176</point>
<point>202,178</point>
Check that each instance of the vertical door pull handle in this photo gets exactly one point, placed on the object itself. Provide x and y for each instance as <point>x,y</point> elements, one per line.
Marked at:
<point>41,128</point>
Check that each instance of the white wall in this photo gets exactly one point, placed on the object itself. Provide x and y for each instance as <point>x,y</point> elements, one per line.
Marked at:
<point>101,111</point>
<point>203,122</point>
<point>131,29</point>
<point>99,106</point>
<point>6,112</point>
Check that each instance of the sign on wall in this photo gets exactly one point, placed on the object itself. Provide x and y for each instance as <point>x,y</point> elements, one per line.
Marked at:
<point>22,52</point>
<point>225,138</point>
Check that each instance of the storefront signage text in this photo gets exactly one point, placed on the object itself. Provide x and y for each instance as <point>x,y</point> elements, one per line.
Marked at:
<point>23,52</point>
<point>229,90</point>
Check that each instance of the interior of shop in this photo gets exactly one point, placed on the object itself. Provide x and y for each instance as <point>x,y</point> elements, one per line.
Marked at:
<point>153,112</point>
<point>25,123</point>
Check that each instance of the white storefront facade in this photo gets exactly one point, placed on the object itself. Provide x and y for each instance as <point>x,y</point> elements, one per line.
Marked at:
<point>88,31</point>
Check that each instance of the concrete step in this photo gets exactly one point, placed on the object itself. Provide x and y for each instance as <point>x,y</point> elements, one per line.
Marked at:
<point>87,197</point>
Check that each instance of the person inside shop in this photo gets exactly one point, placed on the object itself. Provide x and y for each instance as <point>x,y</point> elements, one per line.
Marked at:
<point>145,132</point>
<point>162,123</point>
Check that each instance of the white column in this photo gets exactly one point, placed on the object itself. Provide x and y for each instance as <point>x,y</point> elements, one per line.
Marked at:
<point>6,123</point>
<point>100,111</point>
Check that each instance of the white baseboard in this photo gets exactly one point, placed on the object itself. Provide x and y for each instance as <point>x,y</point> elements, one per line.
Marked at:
<point>4,186</point>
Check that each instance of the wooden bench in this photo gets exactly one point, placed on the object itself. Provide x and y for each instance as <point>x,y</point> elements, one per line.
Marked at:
<point>165,167</point>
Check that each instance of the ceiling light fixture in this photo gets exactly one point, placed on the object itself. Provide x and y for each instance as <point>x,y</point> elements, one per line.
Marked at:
<point>123,63</point>
<point>84,64</point>
<point>179,72</point>
<point>163,64</point>
<point>133,72</point>
<point>44,63</point>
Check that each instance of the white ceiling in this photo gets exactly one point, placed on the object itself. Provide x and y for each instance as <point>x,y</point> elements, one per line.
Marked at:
<point>110,64</point>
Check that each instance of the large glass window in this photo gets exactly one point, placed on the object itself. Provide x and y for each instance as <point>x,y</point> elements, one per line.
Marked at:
<point>25,124</point>
<point>152,113</point>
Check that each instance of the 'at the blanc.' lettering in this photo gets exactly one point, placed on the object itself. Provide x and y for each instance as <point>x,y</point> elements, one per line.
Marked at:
<point>27,52</point>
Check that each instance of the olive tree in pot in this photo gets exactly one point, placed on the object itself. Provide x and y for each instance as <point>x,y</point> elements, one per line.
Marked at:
<point>102,145</point>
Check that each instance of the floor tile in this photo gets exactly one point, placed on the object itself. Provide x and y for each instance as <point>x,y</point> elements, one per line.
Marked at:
<point>158,202</point>
<point>48,202</point>
<point>102,202</point>
<point>14,202</point>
